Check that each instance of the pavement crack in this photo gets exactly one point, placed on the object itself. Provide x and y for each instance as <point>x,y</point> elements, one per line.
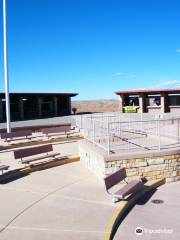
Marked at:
<point>36,202</point>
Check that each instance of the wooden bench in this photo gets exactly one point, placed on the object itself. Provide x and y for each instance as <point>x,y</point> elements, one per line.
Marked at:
<point>3,167</point>
<point>66,129</point>
<point>43,152</point>
<point>116,177</point>
<point>16,135</point>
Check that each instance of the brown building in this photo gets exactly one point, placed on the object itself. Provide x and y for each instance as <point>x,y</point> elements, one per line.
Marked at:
<point>151,101</point>
<point>24,106</point>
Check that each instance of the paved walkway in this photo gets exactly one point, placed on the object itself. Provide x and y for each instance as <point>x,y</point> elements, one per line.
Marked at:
<point>69,203</point>
<point>63,203</point>
<point>158,221</point>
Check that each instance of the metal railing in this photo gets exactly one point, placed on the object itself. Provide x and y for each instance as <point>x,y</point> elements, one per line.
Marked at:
<point>125,132</point>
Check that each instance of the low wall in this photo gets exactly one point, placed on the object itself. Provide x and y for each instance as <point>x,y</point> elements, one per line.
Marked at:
<point>151,165</point>
<point>174,109</point>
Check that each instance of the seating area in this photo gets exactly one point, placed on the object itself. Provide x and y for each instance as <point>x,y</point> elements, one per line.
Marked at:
<point>40,153</point>
<point>64,129</point>
<point>79,189</point>
<point>20,136</point>
<point>7,137</point>
<point>131,187</point>
<point>31,146</point>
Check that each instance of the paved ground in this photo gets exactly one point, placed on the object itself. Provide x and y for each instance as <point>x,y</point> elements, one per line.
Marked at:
<point>158,221</point>
<point>69,203</point>
<point>66,202</point>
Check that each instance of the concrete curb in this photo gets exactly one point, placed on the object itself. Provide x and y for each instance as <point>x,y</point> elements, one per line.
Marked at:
<point>127,204</point>
<point>17,173</point>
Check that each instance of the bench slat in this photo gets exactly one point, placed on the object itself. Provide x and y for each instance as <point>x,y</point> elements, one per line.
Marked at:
<point>16,134</point>
<point>129,188</point>
<point>60,129</point>
<point>27,152</point>
<point>115,178</point>
<point>40,158</point>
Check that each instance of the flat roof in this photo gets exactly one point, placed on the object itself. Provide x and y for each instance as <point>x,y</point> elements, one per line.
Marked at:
<point>41,94</point>
<point>177,90</point>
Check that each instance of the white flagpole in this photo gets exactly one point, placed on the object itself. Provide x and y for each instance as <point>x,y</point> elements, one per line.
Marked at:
<point>8,121</point>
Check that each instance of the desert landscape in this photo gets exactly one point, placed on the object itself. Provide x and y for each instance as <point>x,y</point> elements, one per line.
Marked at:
<point>104,105</point>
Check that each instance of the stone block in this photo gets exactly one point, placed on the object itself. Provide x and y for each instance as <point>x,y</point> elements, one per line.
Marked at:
<point>168,157</point>
<point>138,160</point>
<point>152,161</point>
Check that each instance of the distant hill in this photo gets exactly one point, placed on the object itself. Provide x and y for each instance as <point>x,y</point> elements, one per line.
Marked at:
<point>105,105</point>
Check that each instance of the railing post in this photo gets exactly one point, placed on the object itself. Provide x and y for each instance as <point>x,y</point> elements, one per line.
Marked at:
<point>93,126</point>
<point>159,137</point>
<point>129,134</point>
<point>178,129</point>
<point>108,138</point>
<point>142,122</point>
<point>81,121</point>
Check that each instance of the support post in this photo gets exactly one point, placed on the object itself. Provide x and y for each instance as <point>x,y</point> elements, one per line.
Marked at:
<point>21,108</point>
<point>121,103</point>
<point>178,128</point>
<point>1,110</point>
<point>69,105</point>
<point>141,103</point>
<point>39,107</point>
<point>158,133</point>
<point>163,103</point>
<point>6,79</point>
<point>108,138</point>
<point>93,125</point>
<point>55,106</point>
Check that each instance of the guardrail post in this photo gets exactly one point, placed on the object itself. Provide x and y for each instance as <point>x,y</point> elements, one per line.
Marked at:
<point>178,129</point>
<point>81,121</point>
<point>158,133</point>
<point>93,128</point>
<point>108,138</point>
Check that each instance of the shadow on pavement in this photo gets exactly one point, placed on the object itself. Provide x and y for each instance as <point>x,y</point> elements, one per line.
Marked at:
<point>143,200</point>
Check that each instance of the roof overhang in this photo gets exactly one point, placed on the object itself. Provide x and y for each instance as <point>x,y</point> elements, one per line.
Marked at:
<point>41,94</point>
<point>155,91</point>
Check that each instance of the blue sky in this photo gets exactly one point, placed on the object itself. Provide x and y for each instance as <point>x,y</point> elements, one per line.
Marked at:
<point>93,47</point>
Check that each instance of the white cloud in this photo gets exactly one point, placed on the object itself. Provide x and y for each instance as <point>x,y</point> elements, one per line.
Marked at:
<point>133,75</point>
<point>178,50</point>
<point>127,74</point>
<point>168,84</point>
<point>120,73</point>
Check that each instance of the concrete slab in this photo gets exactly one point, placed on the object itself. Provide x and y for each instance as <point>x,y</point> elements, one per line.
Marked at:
<point>48,234</point>
<point>12,203</point>
<point>42,182</point>
<point>87,191</point>
<point>158,221</point>
<point>65,202</point>
<point>65,214</point>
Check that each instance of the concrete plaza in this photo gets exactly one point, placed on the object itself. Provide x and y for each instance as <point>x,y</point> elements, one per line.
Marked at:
<point>66,202</point>
<point>157,221</point>
<point>69,202</point>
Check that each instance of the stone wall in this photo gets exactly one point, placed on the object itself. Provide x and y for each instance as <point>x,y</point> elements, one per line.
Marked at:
<point>175,109</point>
<point>151,167</point>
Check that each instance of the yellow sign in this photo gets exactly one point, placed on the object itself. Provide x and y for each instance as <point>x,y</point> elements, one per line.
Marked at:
<point>130,109</point>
